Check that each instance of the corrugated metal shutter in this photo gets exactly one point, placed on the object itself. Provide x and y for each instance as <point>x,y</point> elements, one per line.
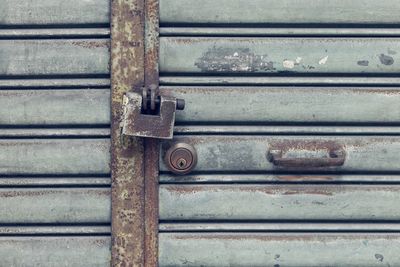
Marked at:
<point>54,136</point>
<point>309,79</point>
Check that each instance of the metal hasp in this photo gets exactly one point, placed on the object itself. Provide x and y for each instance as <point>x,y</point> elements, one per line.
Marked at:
<point>152,117</point>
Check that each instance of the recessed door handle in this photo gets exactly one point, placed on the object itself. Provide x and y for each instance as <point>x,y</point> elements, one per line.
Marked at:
<point>334,158</point>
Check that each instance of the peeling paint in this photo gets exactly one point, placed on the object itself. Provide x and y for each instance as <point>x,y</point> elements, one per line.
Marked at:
<point>323,60</point>
<point>289,64</point>
<point>363,63</point>
<point>386,60</point>
<point>221,59</point>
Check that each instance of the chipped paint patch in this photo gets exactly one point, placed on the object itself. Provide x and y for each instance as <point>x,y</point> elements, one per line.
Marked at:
<point>323,60</point>
<point>222,59</point>
<point>386,60</point>
<point>363,63</point>
<point>289,64</point>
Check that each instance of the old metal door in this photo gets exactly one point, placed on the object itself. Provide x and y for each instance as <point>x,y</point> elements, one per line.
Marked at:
<point>293,109</point>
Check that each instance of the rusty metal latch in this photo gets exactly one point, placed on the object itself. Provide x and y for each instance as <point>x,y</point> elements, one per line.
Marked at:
<point>149,114</point>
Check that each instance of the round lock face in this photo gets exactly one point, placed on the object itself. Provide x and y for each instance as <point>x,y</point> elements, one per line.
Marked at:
<point>181,158</point>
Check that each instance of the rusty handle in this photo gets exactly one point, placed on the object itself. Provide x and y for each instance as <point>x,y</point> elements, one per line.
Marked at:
<point>335,158</point>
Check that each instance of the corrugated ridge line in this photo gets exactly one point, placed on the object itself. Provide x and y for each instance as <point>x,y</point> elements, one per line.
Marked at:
<point>170,227</point>
<point>279,31</point>
<point>26,33</point>
<point>54,83</point>
<point>39,230</point>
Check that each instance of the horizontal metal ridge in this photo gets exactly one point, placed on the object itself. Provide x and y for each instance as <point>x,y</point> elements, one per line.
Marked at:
<point>53,83</point>
<point>54,132</point>
<point>279,227</point>
<point>277,178</point>
<point>54,33</point>
<point>285,130</point>
<point>54,230</point>
<point>296,81</point>
<point>256,31</point>
<point>53,181</point>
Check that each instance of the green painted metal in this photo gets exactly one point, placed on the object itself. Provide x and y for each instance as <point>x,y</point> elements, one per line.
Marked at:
<point>54,57</point>
<point>249,153</point>
<point>49,251</point>
<point>54,156</point>
<point>54,12</point>
<point>277,104</point>
<point>364,12</point>
<point>279,55</point>
<point>55,205</point>
<point>278,202</point>
<point>282,249</point>
<point>55,107</point>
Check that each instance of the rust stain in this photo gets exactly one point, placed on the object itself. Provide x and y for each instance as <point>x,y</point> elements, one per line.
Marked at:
<point>92,44</point>
<point>127,72</point>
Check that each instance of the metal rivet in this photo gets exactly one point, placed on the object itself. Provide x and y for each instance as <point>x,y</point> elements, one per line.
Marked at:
<point>181,158</point>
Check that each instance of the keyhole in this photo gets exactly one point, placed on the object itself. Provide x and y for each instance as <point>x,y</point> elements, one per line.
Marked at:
<point>181,163</point>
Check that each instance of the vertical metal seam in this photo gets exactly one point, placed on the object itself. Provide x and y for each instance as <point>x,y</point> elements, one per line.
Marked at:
<point>151,145</point>
<point>127,154</point>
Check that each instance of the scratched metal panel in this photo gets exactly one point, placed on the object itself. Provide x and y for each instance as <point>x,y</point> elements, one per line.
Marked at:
<point>250,153</point>
<point>53,12</point>
<point>55,107</point>
<point>54,156</point>
<point>50,251</point>
<point>288,104</point>
<point>275,55</point>
<point>279,202</point>
<point>296,250</point>
<point>54,57</point>
<point>55,205</point>
<point>279,12</point>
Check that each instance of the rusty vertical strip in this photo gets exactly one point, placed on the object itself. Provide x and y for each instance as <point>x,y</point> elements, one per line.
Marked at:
<point>151,145</point>
<point>127,72</point>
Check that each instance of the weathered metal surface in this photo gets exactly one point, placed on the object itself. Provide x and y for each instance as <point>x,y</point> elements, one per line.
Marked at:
<point>55,33</point>
<point>278,178</point>
<point>278,227</point>
<point>128,185</point>
<point>79,251</point>
<point>55,83</point>
<point>152,147</point>
<point>54,230</point>
<point>281,31</point>
<point>54,156</point>
<point>249,153</point>
<point>55,107</point>
<point>279,202</point>
<point>293,80</point>
<point>277,104</point>
<point>55,205</point>
<point>54,57</point>
<point>54,132</point>
<point>258,249</point>
<point>285,130</point>
<point>137,124</point>
<point>301,12</point>
<point>279,55</point>
<point>54,12</point>
<point>54,181</point>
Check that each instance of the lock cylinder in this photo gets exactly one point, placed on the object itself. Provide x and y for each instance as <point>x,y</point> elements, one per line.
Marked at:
<point>181,158</point>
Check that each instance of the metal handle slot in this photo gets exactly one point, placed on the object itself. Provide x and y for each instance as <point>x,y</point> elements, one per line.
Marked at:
<point>334,158</point>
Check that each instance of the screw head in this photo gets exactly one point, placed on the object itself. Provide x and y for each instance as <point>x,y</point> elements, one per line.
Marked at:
<point>181,158</point>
